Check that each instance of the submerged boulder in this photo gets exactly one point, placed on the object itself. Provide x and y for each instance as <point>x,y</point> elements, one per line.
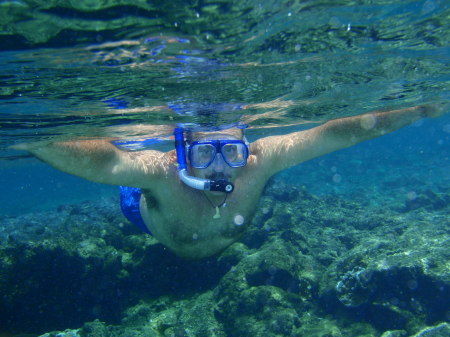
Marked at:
<point>396,276</point>
<point>440,330</point>
<point>307,266</point>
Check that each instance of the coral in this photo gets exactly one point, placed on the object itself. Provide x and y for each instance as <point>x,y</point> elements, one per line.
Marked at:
<point>307,266</point>
<point>440,330</point>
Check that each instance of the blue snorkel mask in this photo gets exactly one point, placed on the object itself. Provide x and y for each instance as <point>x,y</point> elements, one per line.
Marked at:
<point>202,154</point>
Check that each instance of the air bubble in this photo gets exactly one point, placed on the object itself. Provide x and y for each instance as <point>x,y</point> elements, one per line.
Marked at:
<point>238,220</point>
<point>412,284</point>
<point>335,22</point>
<point>429,6</point>
<point>411,195</point>
<point>368,121</point>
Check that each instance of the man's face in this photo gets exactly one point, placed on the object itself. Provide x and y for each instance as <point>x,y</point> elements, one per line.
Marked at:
<point>218,169</point>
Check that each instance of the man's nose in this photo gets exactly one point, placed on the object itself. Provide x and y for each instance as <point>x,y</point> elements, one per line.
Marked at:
<point>218,163</point>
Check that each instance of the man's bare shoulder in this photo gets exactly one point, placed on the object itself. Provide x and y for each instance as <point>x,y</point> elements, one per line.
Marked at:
<point>148,162</point>
<point>271,144</point>
<point>152,154</point>
<point>278,152</point>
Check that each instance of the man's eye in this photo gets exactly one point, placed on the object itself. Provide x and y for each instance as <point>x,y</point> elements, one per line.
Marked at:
<point>230,149</point>
<point>205,151</point>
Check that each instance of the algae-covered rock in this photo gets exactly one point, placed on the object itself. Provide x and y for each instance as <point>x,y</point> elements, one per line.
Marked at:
<point>395,333</point>
<point>87,262</point>
<point>65,333</point>
<point>266,291</point>
<point>307,266</point>
<point>398,273</point>
<point>440,330</point>
<point>428,200</point>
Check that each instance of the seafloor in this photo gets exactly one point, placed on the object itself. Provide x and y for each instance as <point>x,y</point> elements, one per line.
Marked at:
<point>308,266</point>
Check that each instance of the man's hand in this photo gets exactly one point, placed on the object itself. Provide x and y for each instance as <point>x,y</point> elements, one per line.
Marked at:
<point>29,146</point>
<point>435,109</point>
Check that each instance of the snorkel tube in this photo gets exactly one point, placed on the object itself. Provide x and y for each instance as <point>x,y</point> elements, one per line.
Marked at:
<point>194,182</point>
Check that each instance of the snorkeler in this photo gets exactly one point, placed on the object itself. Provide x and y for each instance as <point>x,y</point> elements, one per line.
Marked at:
<point>199,198</point>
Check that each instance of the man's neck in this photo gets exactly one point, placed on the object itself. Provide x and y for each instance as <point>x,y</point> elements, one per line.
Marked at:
<point>215,198</point>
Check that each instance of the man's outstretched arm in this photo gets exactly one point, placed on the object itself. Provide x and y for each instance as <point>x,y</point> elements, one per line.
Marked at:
<point>277,153</point>
<point>101,161</point>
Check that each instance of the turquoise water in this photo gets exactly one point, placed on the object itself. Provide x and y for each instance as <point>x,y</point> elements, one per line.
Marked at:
<point>104,69</point>
<point>134,69</point>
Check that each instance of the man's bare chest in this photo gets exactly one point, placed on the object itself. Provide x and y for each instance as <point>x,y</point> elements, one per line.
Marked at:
<point>198,211</point>
<point>193,225</point>
<point>194,215</point>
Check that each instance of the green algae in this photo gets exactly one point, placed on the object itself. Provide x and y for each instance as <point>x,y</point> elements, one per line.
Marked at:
<point>307,266</point>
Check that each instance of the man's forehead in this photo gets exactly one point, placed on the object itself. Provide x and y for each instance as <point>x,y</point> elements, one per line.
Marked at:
<point>226,135</point>
<point>218,136</point>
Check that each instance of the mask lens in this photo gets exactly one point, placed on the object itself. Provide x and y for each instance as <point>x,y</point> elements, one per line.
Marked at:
<point>234,154</point>
<point>202,155</point>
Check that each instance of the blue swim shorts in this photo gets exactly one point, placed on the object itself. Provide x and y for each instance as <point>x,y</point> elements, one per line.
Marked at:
<point>129,202</point>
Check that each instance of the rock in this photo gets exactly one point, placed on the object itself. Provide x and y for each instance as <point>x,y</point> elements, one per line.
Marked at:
<point>427,199</point>
<point>440,330</point>
<point>395,333</point>
<point>65,333</point>
<point>307,266</point>
<point>398,277</point>
<point>263,294</point>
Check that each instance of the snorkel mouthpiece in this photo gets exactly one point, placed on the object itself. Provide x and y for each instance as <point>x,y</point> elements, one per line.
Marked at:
<point>194,182</point>
<point>221,186</point>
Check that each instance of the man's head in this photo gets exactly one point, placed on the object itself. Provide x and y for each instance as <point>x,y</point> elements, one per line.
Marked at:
<point>217,155</point>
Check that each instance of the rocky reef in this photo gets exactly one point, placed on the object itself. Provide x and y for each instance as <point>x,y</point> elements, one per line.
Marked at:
<point>307,266</point>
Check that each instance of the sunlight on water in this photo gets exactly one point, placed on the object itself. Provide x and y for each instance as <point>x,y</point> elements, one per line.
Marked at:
<point>300,63</point>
